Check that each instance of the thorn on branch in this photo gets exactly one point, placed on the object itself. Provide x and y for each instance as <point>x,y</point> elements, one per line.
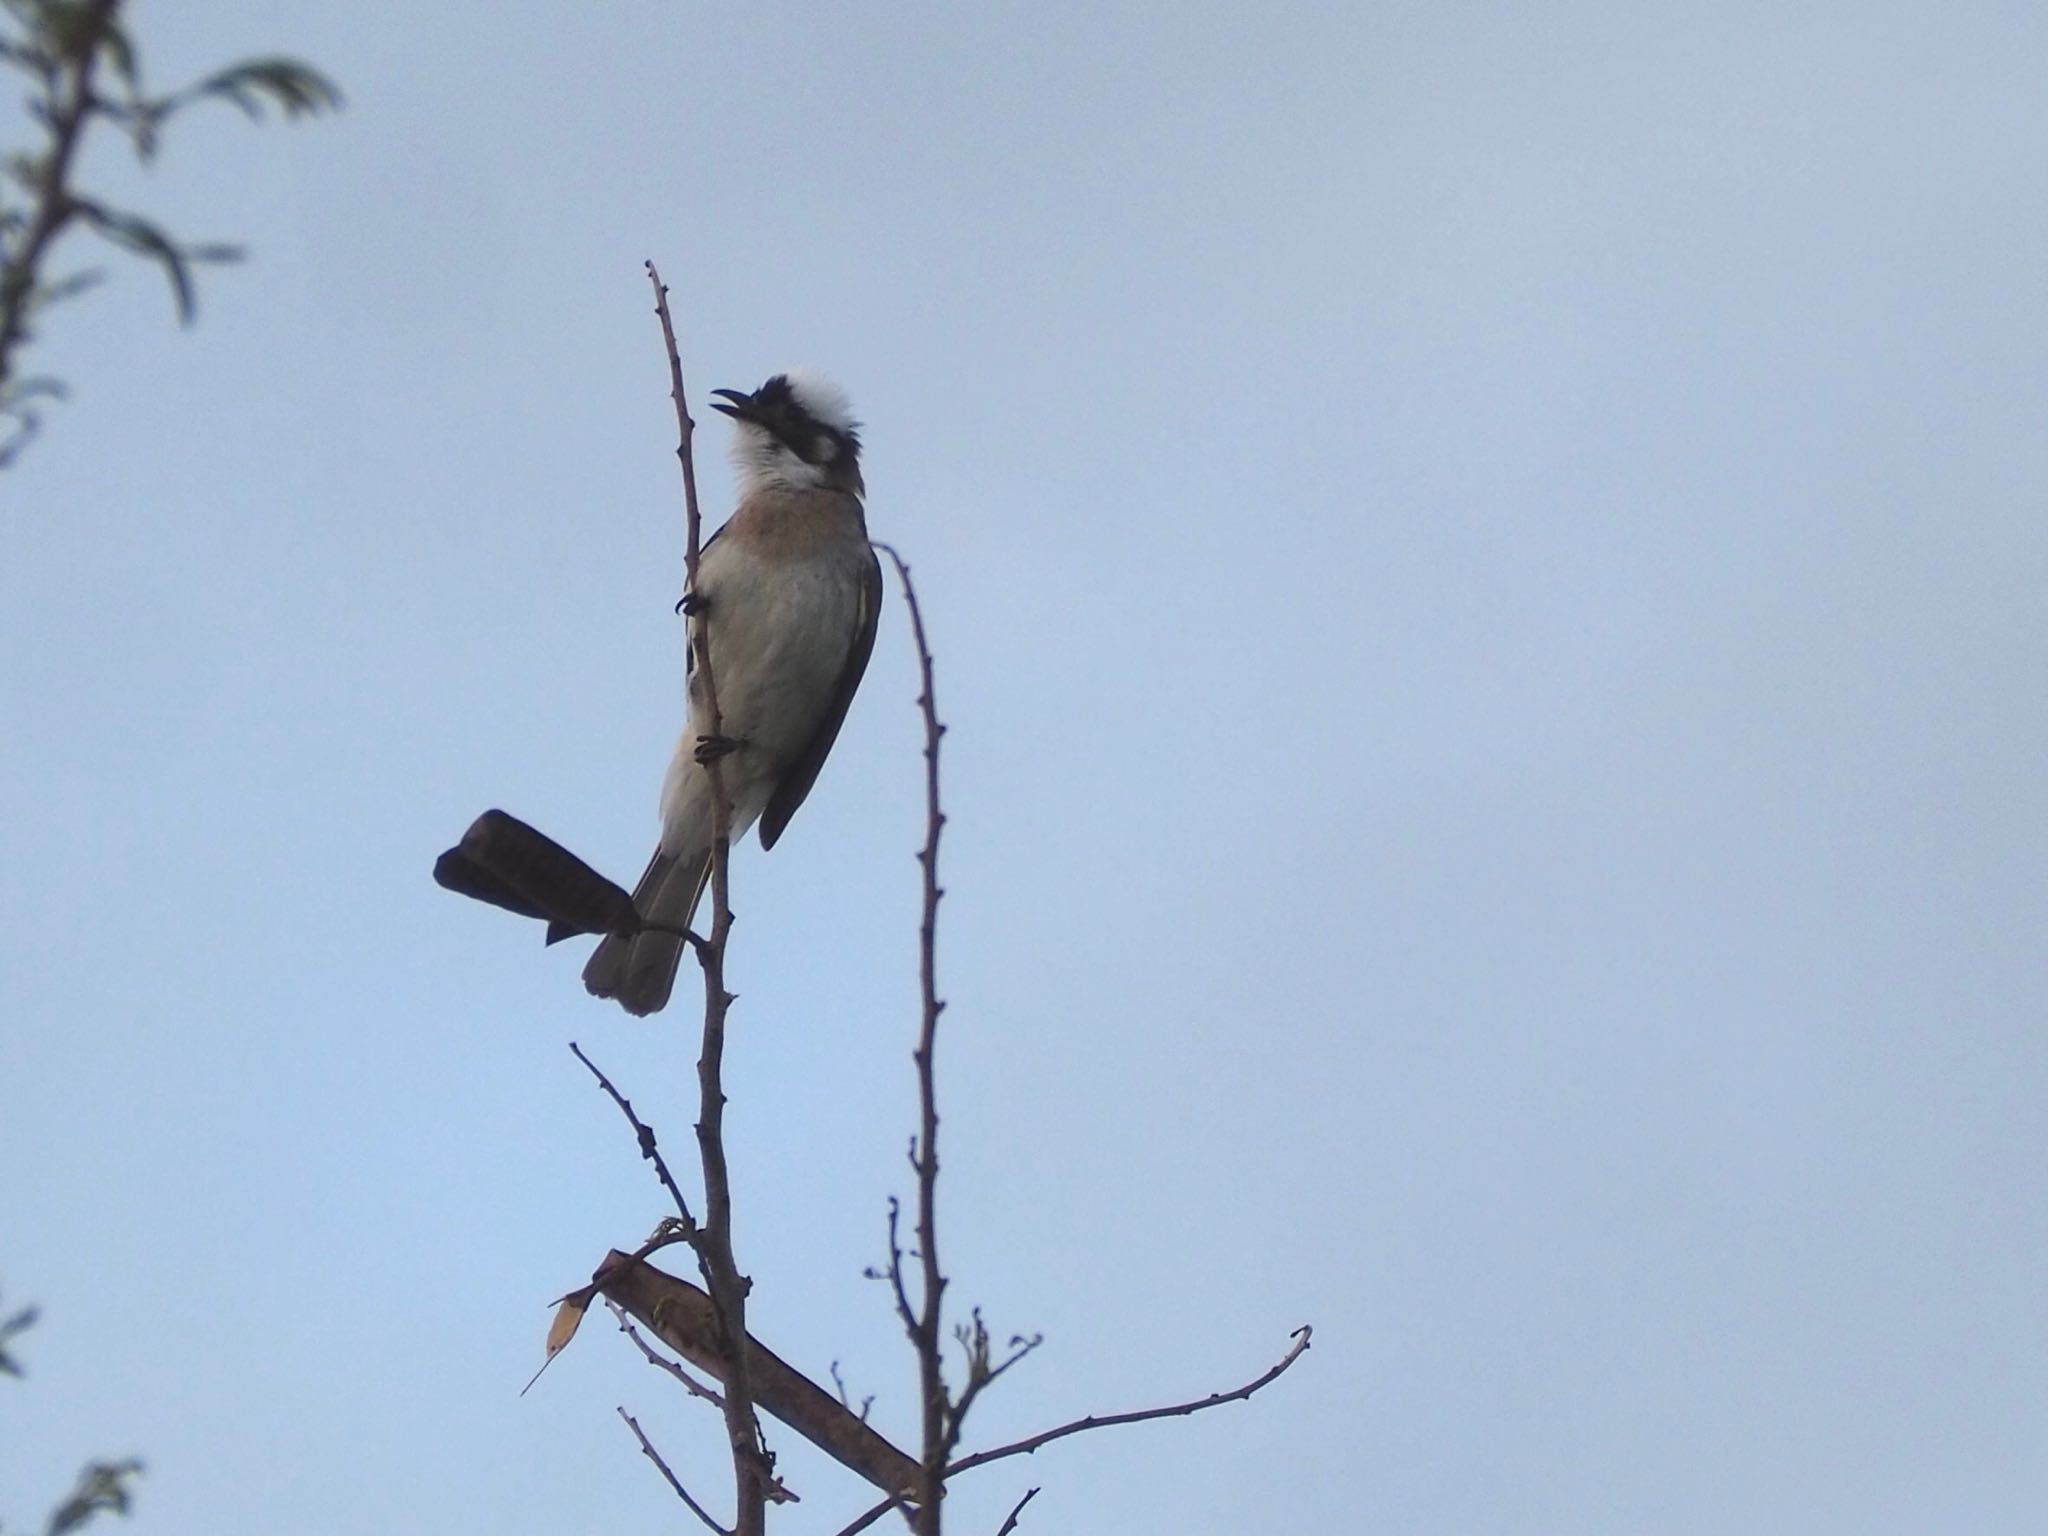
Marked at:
<point>1010,1524</point>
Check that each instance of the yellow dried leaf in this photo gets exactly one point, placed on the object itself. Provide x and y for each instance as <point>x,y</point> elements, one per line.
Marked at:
<point>568,1317</point>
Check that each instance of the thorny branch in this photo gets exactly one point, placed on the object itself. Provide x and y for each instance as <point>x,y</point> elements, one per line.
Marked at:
<point>752,1468</point>
<point>644,1133</point>
<point>923,1324</point>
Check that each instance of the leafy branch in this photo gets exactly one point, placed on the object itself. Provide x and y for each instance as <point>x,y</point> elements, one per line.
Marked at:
<point>81,68</point>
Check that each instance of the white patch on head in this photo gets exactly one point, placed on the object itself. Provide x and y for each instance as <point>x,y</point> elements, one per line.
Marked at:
<point>763,459</point>
<point>821,397</point>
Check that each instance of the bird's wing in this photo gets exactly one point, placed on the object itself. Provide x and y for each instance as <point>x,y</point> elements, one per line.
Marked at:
<point>795,784</point>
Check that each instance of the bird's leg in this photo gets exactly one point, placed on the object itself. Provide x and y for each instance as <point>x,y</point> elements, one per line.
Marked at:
<point>711,748</point>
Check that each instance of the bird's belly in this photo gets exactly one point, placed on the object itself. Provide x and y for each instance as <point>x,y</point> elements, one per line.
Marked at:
<point>778,645</point>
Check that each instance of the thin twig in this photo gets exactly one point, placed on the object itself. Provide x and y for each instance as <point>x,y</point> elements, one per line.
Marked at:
<point>655,1358</point>
<point>904,1309</point>
<point>1010,1524</point>
<point>752,1472</point>
<point>645,1134</point>
<point>673,1481</point>
<point>1105,1421</point>
<point>981,1373</point>
<point>846,1401</point>
<point>868,1517</point>
<point>1024,1447</point>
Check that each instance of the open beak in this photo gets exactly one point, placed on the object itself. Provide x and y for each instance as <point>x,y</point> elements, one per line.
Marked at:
<point>735,404</point>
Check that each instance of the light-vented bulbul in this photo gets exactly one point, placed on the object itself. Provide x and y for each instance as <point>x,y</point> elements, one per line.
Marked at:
<point>789,591</point>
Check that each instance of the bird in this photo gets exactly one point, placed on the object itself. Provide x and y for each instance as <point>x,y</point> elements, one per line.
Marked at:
<point>789,591</point>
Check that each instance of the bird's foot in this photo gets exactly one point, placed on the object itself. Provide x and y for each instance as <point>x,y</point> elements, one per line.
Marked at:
<point>690,604</point>
<point>712,748</point>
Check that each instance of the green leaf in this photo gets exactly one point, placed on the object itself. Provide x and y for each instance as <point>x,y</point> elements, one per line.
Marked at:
<point>136,234</point>
<point>26,55</point>
<point>295,89</point>
<point>71,29</point>
<point>46,294</point>
<point>102,1486</point>
<point>120,54</point>
<point>21,1322</point>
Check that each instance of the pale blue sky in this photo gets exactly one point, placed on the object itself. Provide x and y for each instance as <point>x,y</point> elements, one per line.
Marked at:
<point>1487,565</point>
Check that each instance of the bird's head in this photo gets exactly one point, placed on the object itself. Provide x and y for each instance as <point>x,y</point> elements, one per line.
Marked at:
<point>797,430</point>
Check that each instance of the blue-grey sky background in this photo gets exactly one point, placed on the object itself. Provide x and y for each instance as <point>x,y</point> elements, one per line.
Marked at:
<point>1487,565</point>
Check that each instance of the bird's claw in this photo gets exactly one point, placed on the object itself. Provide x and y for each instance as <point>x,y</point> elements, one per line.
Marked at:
<point>690,604</point>
<point>711,748</point>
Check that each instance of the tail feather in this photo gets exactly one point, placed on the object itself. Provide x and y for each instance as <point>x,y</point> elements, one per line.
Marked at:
<point>639,971</point>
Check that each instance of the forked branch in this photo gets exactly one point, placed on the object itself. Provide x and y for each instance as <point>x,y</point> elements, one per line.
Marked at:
<point>1032,1443</point>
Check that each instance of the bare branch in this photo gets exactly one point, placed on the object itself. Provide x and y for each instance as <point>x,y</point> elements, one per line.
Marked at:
<point>868,1517</point>
<point>1105,1421</point>
<point>1026,1446</point>
<point>753,1471</point>
<point>939,1435</point>
<point>645,1134</point>
<point>894,1274</point>
<point>982,1370</point>
<point>845,1400</point>
<point>673,1481</point>
<point>655,1358</point>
